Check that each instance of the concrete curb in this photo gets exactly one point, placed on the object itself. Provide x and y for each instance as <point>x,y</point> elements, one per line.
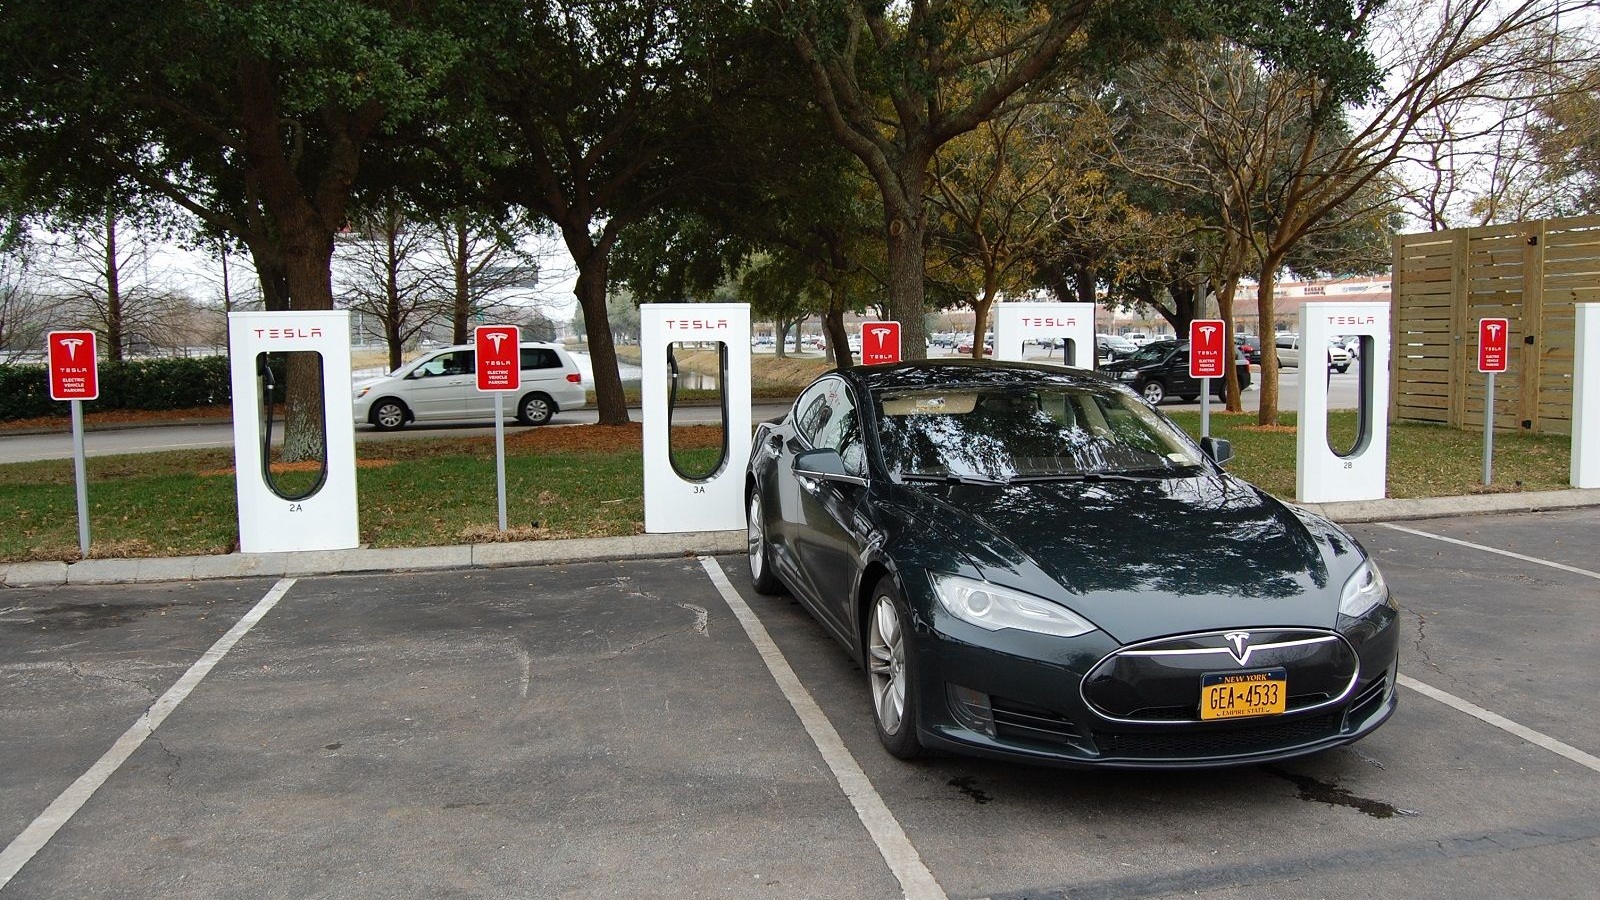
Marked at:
<point>644,546</point>
<point>388,559</point>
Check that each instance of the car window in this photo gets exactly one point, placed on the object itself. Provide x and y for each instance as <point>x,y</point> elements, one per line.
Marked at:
<point>1002,432</point>
<point>539,358</point>
<point>841,430</point>
<point>811,411</point>
<point>457,362</point>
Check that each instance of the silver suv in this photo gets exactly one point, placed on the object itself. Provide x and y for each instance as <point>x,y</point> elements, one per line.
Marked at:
<point>442,386</point>
<point>1288,346</point>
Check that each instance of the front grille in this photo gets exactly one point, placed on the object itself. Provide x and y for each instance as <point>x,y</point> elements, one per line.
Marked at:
<point>1199,742</point>
<point>1025,722</point>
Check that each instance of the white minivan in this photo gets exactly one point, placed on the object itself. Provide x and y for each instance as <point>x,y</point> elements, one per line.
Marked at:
<point>442,385</point>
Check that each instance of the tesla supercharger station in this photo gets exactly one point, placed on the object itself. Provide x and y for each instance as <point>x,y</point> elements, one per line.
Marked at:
<point>272,520</point>
<point>1586,398</point>
<point>1015,324</point>
<point>1323,475</point>
<point>675,500</point>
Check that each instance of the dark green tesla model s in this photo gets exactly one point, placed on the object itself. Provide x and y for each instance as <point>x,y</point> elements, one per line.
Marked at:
<point>1032,563</point>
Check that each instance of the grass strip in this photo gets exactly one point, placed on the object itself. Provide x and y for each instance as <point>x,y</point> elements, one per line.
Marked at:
<point>586,481</point>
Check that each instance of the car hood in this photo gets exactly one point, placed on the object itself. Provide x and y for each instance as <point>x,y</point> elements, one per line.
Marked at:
<point>1146,558</point>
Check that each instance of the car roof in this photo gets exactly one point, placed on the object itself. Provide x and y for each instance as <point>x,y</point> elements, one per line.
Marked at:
<point>921,373</point>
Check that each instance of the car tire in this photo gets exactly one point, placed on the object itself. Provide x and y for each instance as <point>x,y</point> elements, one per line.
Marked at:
<point>891,677</point>
<point>1154,391</point>
<point>1341,369</point>
<point>389,414</point>
<point>1189,398</point>
<point>535,409</point>
<point>760,555</point>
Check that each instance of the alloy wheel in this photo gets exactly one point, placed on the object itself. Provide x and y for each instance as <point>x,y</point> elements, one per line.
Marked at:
<point>886,648</point>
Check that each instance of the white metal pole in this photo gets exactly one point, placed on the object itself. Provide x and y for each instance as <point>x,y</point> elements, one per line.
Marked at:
<point>500,453</point>
<point>1488,433</point>
<point>81,478</point>
<point>1205,407</point>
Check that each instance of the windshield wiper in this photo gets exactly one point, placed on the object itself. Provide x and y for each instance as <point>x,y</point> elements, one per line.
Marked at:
<point>1122,475</point>
<point>949,478</point>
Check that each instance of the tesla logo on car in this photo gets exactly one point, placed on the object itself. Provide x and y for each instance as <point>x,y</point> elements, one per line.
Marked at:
<point>880,343</point>
<point>1239,644</point>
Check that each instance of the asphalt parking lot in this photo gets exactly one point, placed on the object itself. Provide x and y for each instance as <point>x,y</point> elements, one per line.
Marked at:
<point>617,730</point>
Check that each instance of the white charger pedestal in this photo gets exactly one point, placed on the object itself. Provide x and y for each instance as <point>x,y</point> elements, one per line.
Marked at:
<point>1322,474</point>
<point>271,520</point>
<point>1015,324</point>
<point>1586,398</point>
<point>675,501</point>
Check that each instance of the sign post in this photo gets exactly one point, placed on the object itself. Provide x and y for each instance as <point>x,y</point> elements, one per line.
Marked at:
<point>499,369</point>
<point>75,376</point>
<point>1493,353</point>
<point>1208,359</point>
<point>880,343</point>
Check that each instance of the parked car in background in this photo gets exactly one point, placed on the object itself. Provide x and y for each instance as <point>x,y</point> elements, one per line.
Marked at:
<point>1249,345</point>
<point>443,386</point>
<point>1289,352</point>
<point>1160,369</point>
<point>1137,338</point>
<point>1030,564</point>
<point>1108,347</point>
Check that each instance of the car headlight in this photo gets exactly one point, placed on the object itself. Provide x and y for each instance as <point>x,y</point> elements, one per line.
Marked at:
<point>1364,591</point>
<point>991,607</point>
<point>1126,375</point>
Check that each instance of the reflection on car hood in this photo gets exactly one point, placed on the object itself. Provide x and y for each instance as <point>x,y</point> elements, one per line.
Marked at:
<point>1144,558</point>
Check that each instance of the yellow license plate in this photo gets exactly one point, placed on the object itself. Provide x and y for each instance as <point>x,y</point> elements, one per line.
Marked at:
<point>1237,695</point>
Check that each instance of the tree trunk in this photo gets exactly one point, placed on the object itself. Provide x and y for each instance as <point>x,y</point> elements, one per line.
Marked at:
<point>115,339</point>
<point>906,230</point>
<point>1225,291</point>
<point>1268,413</point>
<point>980,314</point>
<point>461,306</point>
<point>593,268</point>
<point>833,328</point>
<point>307,264</point>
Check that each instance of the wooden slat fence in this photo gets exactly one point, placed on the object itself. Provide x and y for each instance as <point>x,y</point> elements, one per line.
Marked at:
<point>1530,273</point>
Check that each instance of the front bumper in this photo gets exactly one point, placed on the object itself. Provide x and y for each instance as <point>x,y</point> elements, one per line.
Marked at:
<point>1002,695</point>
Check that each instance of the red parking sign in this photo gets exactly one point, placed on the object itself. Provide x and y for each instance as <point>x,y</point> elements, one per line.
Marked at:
<point>880,343</point>
<point>74,368</point>
<point>1207,356</point>
<point>499,353</point>
<point>1493,344</point>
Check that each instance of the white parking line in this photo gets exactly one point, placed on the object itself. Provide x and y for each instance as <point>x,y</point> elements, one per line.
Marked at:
<point>1586,760</point>
<point>916,882</point>
<point>1460,543</point>
<point>66,805</point>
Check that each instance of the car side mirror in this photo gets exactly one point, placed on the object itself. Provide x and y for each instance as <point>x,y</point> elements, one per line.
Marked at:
<point>825,464</point>
<point>1220,451</point>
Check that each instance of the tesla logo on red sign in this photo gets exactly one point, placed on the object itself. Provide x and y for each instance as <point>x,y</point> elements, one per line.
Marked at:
<point>74,368</point>
<point>880,343</point>
<point>499,357</point>
<point>1493,344</point>
<point>1206,356</point>
<point>1046,322</point>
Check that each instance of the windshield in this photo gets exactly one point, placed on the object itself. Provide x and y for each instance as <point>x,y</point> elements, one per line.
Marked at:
<point>1001,433</point>
<point>1151,353</point>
